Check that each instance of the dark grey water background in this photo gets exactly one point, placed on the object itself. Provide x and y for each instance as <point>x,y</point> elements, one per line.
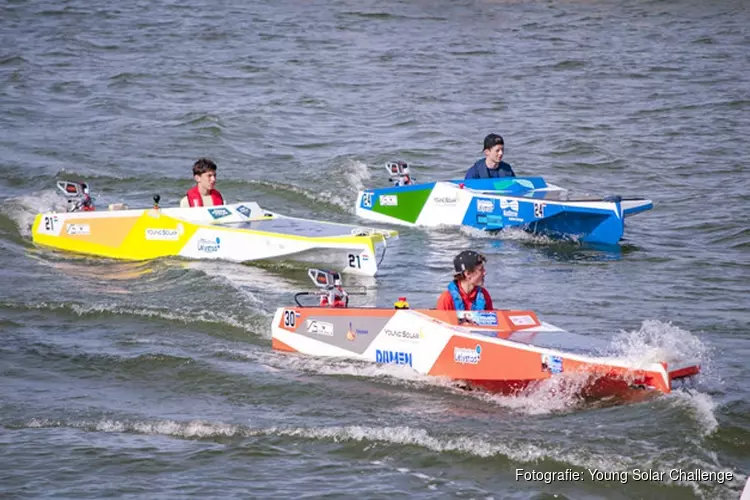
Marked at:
<point>157,380</point>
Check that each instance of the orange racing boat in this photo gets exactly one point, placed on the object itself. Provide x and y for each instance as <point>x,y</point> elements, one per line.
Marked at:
<point>502,351</point>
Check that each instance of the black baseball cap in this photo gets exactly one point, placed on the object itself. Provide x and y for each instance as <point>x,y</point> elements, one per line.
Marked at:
<point>493,140</point>
<point>468,260</point>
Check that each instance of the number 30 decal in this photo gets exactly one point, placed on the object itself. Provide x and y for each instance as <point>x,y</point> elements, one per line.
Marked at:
<point>290,319</point>
<point>354,261</point>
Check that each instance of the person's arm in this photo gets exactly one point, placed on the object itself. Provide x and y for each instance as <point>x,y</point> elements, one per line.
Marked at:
<point>445,302</point>
<point>472,173</point>
<point>184,203</point>
<point>510,169</point>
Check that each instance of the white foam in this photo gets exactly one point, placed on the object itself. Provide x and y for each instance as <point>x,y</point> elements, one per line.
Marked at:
<point>554,395</point>
<point>356,173</point>
<point>24,209</point>
<point>509,234</point>
<point>519,449</point>
<point>702,407</point>
<point>656,341</point>
<point>182,315</point>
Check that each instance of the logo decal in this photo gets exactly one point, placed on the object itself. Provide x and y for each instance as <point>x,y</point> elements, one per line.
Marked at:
<point>244,211</point>
<point>218,213</point>
<point>445,200</point>
<point>522,320</point>
<point>485,206</point>
<point>509,204</point>
<point>388,200</point>
<point>402,334</point>
<point>162,234</point>
<point>552,364</point>
<point>477,318</point>
<point>208,245</point>
<point>319,327</point>
<point>467,356</point>
<point>393,357</point>
<point>79,229</point>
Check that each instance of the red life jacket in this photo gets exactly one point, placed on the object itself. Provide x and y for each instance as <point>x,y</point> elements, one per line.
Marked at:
<point>196,200</point>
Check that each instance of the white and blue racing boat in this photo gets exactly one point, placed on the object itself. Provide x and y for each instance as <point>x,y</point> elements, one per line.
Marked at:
<point>528,203</point>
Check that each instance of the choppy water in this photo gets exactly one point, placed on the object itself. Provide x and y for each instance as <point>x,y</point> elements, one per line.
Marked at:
<point>157,380</point>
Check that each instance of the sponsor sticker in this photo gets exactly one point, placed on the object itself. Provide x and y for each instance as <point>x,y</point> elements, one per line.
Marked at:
<point>162,234</point>
<point>509,204</point>
<point>388,200</point>
<point>485,206</point>
<point>524,320</point>
<point>477,318</point>
<point>402,334</point>
<point>467,356</point>
<point>318,327</point>
<point>445,200</point>
<point>393,357</point>
<point>352,332</point>
<point>486,318</point>
<point>79,229</point>
<point>552,364</point>
<point>218,213</point>
<point>207,245</point>
<point>244,211</point>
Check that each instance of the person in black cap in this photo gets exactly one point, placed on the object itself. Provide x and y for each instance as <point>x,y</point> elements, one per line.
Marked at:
<point>492,165</point>
<point>465,292</point>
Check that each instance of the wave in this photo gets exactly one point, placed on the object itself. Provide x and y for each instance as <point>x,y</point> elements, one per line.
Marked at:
<point>520,450</point>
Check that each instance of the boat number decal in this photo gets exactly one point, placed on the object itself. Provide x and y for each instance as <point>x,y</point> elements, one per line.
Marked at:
<point>49,223</point>
<point>539,210</point>
<point>367,200</point>
<point>354,261</point>
<point>290,319</point>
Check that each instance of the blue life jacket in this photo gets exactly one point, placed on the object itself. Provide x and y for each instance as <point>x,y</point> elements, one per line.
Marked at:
<point>479,303</point>
<point>480,171</point>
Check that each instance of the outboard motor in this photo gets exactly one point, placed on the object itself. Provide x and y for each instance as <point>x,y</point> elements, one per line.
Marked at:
<point>78,195</point>
<point>399,171</point>
<point>332,294</point>
<point>330,291</point>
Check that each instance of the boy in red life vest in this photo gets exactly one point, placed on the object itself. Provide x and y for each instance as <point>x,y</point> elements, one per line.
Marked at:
<point>203,194</point>
<point>465,292</point>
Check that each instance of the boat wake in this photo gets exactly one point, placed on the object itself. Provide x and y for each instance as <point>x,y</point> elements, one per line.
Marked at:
<point>341,185</point>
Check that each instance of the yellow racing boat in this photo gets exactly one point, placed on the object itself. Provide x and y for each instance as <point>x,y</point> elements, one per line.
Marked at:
<point>239,232</point>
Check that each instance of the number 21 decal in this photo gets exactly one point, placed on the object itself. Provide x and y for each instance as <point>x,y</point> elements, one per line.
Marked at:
<point>49,224</point>
<point>355,261</point>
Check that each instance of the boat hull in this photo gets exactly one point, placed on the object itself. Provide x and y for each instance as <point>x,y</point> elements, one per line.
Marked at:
<point>500,351</point>
<point>241,232</point>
